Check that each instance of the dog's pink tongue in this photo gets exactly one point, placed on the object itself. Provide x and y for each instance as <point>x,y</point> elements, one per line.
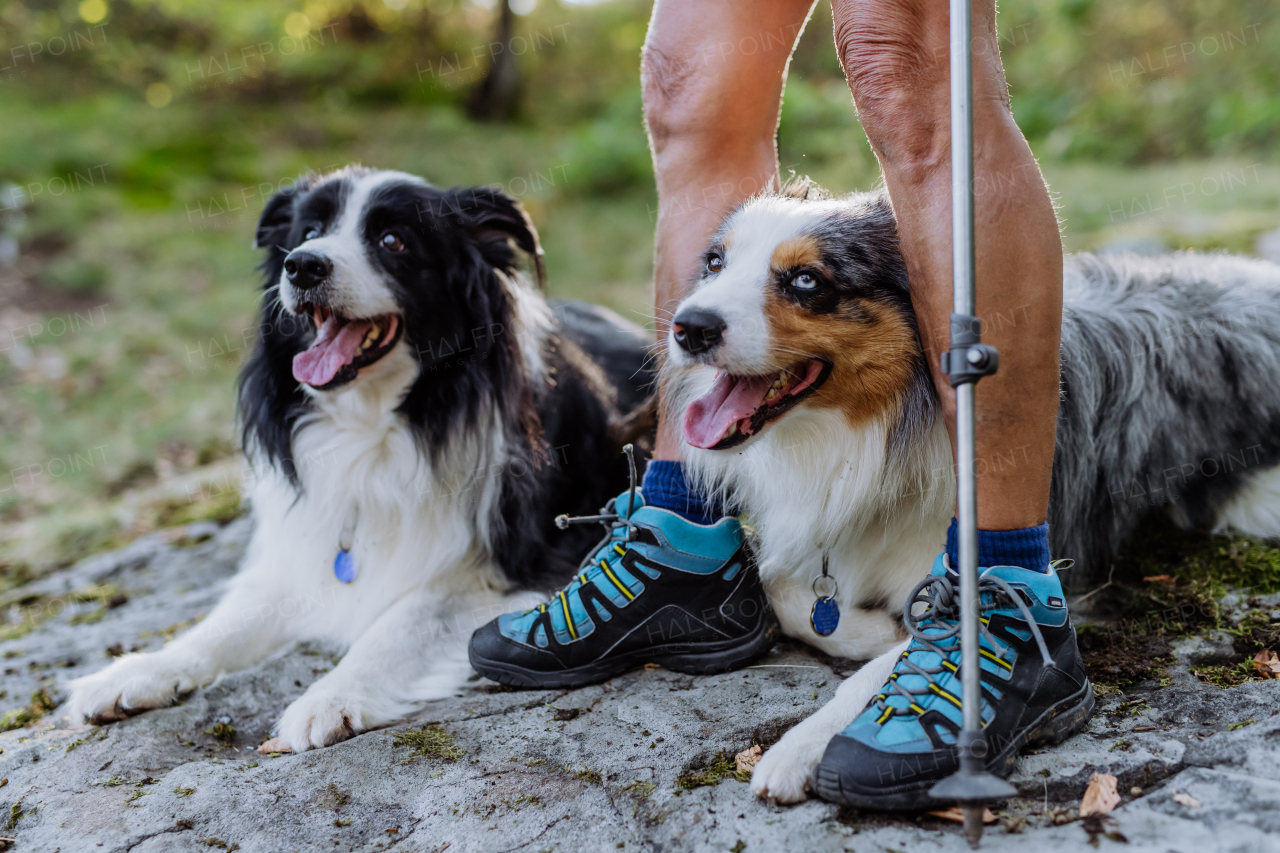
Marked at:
<point>730,399</point>
<point>335,345</point>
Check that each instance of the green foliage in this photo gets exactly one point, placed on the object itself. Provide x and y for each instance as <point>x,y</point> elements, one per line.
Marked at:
<point>1144,81</point>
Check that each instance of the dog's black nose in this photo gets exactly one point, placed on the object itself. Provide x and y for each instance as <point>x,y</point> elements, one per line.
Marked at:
<point>698,330</point>
<point>306,269</point>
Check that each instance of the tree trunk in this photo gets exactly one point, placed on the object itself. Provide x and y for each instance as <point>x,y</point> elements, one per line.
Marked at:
<point>495,98</point>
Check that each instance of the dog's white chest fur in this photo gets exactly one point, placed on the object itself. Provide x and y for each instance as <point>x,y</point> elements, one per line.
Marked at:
<point>810,485</point>
<point>409,525</point>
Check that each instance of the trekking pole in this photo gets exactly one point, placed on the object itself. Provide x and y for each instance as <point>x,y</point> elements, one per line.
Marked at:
<point>967,361</point>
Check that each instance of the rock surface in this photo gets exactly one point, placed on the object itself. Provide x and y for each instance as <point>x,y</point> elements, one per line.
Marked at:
<point>584,770</point>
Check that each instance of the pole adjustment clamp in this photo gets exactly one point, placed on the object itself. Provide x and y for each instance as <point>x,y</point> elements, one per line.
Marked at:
<point>969,359</point>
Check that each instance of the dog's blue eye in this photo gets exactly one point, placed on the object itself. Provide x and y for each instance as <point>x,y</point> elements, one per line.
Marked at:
<point>311,234</point>
<point>804,281</point>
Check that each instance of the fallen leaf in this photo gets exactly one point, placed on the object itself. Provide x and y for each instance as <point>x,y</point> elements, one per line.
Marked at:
<point>275,746</point>
<point>1186,800</point>
<point>747,759</point>
<point>1101,795</point>
<point>956,814</point>
<point>1165,579</point>
<point>1267,663</point>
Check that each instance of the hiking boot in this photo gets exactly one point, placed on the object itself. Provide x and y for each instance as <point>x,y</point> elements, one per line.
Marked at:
<point>658,589</point>
<point>1034,691</point>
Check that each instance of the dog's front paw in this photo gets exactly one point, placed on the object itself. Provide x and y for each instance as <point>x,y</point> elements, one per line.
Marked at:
<point>325,715</point>
<point>130,685</point>
<point>784,774</point>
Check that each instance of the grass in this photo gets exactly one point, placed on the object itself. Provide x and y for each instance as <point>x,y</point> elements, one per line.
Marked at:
<point>430,742</point>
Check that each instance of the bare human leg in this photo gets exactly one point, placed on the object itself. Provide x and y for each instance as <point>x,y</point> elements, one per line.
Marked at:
<point>713,73</point>
<point>896,58</point>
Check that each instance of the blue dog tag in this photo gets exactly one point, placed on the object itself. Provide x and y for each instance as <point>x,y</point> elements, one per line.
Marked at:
<point>825,616</point>
<point>344,567</point>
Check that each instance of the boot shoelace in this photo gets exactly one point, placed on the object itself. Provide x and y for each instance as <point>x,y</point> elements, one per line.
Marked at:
<point>941,599</point>
<point>598,556</point>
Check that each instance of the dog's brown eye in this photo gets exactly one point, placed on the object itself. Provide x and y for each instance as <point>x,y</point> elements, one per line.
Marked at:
<point>804,281</point>
<point>392,243</point>
<point>715,263</point>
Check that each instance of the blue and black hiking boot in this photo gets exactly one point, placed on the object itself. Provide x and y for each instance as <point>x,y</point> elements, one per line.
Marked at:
<point>658,589</point>
<point>1034,691</point>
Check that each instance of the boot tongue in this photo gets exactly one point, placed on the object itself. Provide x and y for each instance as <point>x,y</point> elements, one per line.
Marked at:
<point>730,399</point>
<point>336,344</point>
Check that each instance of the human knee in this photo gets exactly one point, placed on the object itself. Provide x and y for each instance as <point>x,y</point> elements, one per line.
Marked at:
<point>669,86</point>
<point>896,65</point>
<point>687,98</point>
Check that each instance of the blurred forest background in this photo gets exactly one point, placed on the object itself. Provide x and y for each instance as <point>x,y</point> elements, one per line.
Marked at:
<point>140,138</point>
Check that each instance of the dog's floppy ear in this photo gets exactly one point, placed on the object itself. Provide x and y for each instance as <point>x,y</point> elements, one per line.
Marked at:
<point>492,217</point>
<point>277,215</point>
<point>276,220</point>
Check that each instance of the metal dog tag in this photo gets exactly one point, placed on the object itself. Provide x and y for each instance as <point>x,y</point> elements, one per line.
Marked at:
<point>344,566</point>
<point>825,615</point>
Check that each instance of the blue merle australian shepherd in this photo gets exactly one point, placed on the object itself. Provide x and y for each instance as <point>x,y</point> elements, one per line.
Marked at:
<point>797,367</point>
<point>417,414</point>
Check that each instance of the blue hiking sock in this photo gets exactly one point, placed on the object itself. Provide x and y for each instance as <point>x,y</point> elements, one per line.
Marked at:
<point>1027,548</point>
<point>664,486</point>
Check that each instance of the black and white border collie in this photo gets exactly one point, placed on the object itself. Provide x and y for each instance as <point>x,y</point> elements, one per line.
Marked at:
<point>416,414</point>
<point>797,367</point>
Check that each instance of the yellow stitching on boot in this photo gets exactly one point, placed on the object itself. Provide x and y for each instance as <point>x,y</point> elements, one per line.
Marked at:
<point>568,617</point>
